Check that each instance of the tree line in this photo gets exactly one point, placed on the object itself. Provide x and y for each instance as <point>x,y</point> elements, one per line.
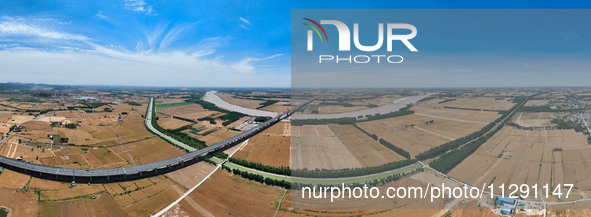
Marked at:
<point>351,172</point>
<point>262,167</point>
<point>258,178</point>
<point>389,145</point>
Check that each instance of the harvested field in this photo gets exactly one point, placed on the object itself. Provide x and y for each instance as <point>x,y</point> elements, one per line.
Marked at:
<point>514,156</point>
<point>266,149</point>
<point>172,123</point>
<point>11,179</point>
<point>43,184</point>
<point>464,116</point>
<point>365,149</point>
<point>218,136</point>
<point>248,198</point>
<point>79,190</point>
<point>315,146</point>
<point>151,150</point>
<point>486,103</point>
<point>191,175</point>
<point>277,107</point>
<point>152,204</point>
<point>24,204</point>
<point>414,135</point>
<point>103,205</point>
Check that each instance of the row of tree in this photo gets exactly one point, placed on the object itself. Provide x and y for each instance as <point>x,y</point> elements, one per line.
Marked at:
<point>389,145</point>
<point>394,148</point>
<point>262,167</point>
<point>351,172</point>
<point>259,178</point>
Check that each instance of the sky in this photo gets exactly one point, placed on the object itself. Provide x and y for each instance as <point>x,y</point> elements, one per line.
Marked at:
<point>169,43</point>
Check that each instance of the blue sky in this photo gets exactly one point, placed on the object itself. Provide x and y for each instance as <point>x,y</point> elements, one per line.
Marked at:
<point>168,43</point>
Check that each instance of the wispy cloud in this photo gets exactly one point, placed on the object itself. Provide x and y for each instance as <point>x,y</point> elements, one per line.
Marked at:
<point>245,23</point>
<point>101,15</point>
<point>21,27</point>
<point>139,6</point>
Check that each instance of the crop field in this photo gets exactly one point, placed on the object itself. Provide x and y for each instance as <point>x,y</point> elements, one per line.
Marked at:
<point>12,179</point>
<point>171,123</point>
<point>316,146</point>
<point>142,197</point>
<point>266,149</point>
<point>79,190</point>
<point>436,111</point>
<point>191,175</point>
<point>529,156</point>
<point>486,103</point>
<point>414,135</point>
<point>218,136</point>
<point>149,150</point>
<point>248,198</point>
<point>277,107</point>
<point>103,205</point>
<point>172,104</point>
<point>185,111</point>
<point>24,204</point>
<point>365,149</point>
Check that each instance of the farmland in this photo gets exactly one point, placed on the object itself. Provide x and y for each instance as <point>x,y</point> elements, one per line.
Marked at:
<point>319,146</point>
<point>529,156</point>
<point>249,198</point>
<point>270,147</point>
<point>417,133</point>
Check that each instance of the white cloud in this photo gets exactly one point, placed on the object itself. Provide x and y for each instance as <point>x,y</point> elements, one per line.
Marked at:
<point>139,6</point>
<point>20,27</point>
<point>101,15</point>
<point>77,59</point>
<point>106,66</point>
<point>245,23</point>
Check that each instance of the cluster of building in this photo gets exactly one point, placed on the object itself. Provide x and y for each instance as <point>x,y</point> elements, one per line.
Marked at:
<point>570,103</point>
<point>511,206</point>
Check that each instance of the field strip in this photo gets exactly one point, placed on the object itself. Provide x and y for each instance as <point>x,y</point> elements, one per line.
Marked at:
<point>14,151</point>
<point>490,169</point>
<point>198,184</point>
<point>434,133</point>
<point>450,119</point>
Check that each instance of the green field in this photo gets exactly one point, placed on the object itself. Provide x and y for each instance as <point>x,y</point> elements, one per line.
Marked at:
<point>173,104</point>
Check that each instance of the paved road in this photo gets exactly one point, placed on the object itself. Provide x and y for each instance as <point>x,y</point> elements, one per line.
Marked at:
<point>395,106</point>
<point>211,97</point>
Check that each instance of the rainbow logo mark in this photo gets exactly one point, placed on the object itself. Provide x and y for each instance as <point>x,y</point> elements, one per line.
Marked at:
<point>317,32</point>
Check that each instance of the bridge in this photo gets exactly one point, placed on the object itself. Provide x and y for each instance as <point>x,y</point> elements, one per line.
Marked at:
<point>137,171</point>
